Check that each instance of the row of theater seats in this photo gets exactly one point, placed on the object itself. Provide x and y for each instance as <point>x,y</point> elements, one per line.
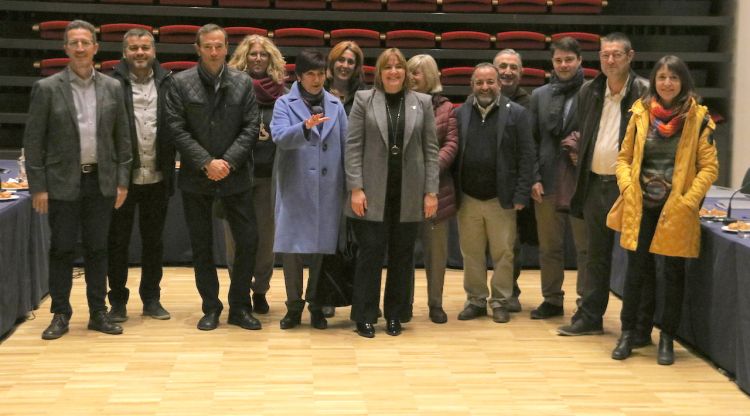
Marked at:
<point>461,6</point>
<point>366,38</point>
<point>448,76</point>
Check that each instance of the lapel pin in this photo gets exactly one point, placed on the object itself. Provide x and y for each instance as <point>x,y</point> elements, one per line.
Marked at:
<point>507,105</point>
<point>414,107</point>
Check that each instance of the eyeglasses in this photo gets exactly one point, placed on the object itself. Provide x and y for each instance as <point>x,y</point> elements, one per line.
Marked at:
<point>617,55</point>
<point>83,43</point>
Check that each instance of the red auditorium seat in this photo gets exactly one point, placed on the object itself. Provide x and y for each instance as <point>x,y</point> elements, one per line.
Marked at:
<point>177,33</point>
<point>357,4</point>
<point>589,73</point>
<point>588,41</point>
<point>522,6</point>
<point>412,5</point>
<point>204,3</point>
<point>577,6</point>
<point>252,4</point>
<point>298,36</point>
<point>467,6</point>
<point>177,66</point>
<point>462,39</point>
<point>458,75</point>
<point>237,33</point>
<point>533,77</point>
<point>53,29</point>
<point>114,32</point>
<point>369,72</point>
<point>128,1</point>
<point>301,4</point>
<point>108,66</point>
<point>291,76</point>
<point>51,66</point>
<point>365,38</point>
<point>520,40</point>
<point>409,39</point>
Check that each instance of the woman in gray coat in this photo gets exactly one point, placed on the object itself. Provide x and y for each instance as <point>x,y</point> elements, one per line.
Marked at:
<point>391,161</point>
<point>308,127</point>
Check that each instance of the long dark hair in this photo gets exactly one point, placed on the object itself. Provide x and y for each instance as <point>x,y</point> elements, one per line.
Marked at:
<point>683,101</point>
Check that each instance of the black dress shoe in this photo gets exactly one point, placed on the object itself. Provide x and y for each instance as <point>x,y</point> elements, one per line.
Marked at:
<point>57,328</point>
<point>580,327</point>
<point>365,329</point>
<point>99,321</point>
<point>155,310</point>
<point>471,312</point>
<point>665,353</point>
<point>547,310</point>
<point>624,346</point>
<point>514,305</point>
<point>291,319</point>
<point>210,321</point>
<point>243,319</point>
<point>438,315</point>
<point>260,304</point>
<point>393,327</point>
<point>641,339</point>
<point>318,320</point>
<point>118,313</point>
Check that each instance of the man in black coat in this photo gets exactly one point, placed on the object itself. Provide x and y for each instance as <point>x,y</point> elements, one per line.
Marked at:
<point>144,84</point>
<point>213,117</point>
<point>494,174</point>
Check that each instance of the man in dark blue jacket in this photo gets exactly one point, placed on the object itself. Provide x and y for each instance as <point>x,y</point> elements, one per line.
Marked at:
<point>144,84</point>
<point>213,117</point>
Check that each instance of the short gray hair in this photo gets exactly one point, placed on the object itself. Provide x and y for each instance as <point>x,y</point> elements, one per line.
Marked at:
<point>136,32</point>
<point>79,24</point>
<point>511,52</point>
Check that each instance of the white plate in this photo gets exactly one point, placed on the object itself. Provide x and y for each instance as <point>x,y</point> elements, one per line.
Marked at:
<point>10,198</point>
<point>727,229</point>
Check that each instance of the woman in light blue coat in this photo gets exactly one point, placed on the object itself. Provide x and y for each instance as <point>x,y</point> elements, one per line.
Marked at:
<point>309,129</point>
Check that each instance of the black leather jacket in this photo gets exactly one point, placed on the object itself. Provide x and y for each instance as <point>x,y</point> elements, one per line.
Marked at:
<point>590,103</point>
<point>164,144</point>
<point>204,129</point>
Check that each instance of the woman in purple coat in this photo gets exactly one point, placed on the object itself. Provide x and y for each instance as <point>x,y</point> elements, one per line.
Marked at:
<point>309,129</point>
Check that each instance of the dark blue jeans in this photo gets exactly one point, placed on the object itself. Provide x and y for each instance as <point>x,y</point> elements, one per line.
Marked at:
<point>151,201</point>
<point>87,216</point>
<point>241,217</point>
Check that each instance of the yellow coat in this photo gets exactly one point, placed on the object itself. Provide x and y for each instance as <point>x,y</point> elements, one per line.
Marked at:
<point>696,167</point>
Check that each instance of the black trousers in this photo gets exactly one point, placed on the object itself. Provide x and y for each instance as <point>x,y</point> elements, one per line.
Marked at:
<point>241,217</point>
<point>87,216</point>
<point>601,195</point>
<point>151,201</point>
<point>374,238</point>
<point>642,274</point>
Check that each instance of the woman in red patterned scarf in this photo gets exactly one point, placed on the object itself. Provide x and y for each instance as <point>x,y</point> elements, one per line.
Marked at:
<point>666,165</point>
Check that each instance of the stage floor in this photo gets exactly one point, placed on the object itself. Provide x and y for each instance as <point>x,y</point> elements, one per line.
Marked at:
<point>463,367</point>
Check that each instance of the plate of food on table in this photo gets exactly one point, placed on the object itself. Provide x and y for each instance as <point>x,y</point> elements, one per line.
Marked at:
<point>7,196</point>
<point>713,213</point>
<point>736,227</point>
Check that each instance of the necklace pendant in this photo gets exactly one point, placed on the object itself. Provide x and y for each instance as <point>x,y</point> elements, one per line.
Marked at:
<point>263,133</point>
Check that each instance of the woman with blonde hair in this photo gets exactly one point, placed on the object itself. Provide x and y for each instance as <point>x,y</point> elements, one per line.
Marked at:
<point>391,164</point>
<point>344,74</point>
<point>666,165</point>
<point>425,78</point>
<point>262,60</point>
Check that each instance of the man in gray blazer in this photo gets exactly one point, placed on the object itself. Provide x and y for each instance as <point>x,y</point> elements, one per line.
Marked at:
<point>553,115</point>
<point>78,159</point>
<point>494,175</point>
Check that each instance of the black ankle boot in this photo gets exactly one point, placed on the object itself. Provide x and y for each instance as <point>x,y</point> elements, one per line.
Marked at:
<point>318,319</point>
<point>624,346</point>
<point>665,354</point>
<point>293,315</point>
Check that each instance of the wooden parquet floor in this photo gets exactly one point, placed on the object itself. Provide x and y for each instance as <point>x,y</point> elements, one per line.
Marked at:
<point>459,368</point>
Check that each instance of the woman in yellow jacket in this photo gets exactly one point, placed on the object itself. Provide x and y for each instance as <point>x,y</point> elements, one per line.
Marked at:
<point>666,165</point>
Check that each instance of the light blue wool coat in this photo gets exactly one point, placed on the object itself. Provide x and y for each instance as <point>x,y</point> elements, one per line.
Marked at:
<point>309,175</point>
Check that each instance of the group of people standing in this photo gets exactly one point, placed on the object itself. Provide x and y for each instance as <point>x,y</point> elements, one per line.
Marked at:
<point>293,169</point>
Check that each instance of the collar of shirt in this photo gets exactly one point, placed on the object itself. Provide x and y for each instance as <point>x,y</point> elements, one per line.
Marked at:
<point>616,97</point>
<point>143,80</point>
<point>83,82</point>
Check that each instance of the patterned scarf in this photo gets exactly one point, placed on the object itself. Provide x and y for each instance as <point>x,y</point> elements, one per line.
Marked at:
<point>267,90</point>
<point>561,91</point>
<point>666,121</point>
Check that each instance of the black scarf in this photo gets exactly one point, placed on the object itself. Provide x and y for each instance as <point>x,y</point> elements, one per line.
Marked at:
<point>312,100</point>
<point>561,91</point>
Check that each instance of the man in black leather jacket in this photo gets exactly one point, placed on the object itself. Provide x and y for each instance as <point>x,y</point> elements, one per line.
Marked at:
<point>213,117</point>
<point>144,84</point>
<point>603,113</point>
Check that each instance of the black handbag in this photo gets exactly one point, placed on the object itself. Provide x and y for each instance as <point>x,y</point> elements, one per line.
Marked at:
<point>336,280</point>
